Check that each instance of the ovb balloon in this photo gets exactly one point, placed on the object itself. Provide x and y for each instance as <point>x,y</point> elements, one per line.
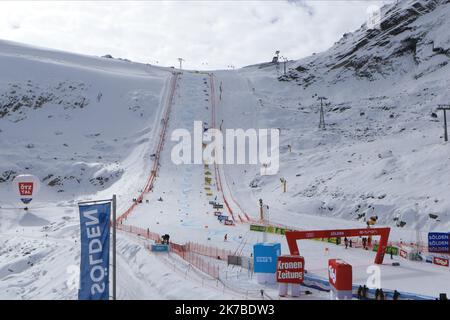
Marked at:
<point>26,186</point>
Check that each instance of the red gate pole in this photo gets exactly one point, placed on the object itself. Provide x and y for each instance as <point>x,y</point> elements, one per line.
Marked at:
<point>382,246</point>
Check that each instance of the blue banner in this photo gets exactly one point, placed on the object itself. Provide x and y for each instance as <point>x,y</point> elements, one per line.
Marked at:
<point>265,257</point>
<point>438,242</point>
<point>94,265</point>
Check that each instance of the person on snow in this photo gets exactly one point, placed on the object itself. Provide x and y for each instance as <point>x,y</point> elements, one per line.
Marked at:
<point>350,243</point>
<point>364,241</point>
<point>380,294</point>
<point>225,238</point>
<point>377,294</point>
<point>396,295</point>
<point>364,292</point>
<point>165,239</point>
<point>346,242</point>
<point>360,291</point>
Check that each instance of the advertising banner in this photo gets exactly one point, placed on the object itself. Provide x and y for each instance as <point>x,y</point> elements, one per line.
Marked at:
<point>389,249</point>
<point>265,257</point>
<point>438,242</point>
<point>94,264</point>
<point>403,254</point>
<point>441,261</point>
<point>26,186</point>
<point>255,227</point>
<point>290,269</point>
<point>268,229</point>
<point>340,274</point>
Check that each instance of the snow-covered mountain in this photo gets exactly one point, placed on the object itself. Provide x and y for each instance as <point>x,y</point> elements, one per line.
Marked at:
<point>87,127</point>
<point>382,153</point>
<point>77,122</point>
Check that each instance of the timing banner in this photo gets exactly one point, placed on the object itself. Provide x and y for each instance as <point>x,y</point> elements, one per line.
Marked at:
<point>94,265</point>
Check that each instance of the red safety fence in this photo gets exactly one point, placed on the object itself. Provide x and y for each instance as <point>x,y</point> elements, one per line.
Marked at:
<point>200,263</point>
<point>162,135</point>
<point>235,201</point>
<point>191,252</point>
<point>179,249</point>
<point>146,233</point>
<point>208,251</point>
<point>216,169</point>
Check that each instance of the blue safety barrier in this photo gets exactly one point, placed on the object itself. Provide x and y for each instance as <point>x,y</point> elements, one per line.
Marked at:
<point>322,284</point>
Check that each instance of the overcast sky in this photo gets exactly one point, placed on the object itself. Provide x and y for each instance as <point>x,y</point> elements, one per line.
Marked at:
<point>207,34</point>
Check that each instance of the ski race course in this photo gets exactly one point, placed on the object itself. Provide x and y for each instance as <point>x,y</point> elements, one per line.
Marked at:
<point>192,268</point>
<point>106,128</point>
<point>188,217</point>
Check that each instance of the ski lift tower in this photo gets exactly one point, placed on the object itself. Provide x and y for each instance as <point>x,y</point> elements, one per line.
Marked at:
<point>284,63</point>
<point>445,108</point>
<point>322,113</point>
<point>181,62</point>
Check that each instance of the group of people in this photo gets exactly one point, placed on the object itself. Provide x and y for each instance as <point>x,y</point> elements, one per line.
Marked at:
<point>165,239</point>
<point>366,242</point>
<point>348,243</point>
<point>378,295</point>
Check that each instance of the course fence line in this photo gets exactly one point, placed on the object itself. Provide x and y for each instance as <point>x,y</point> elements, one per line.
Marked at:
<point>357,243</point>
<point>153,173</point>
<point>216,167</point>
<point>209,251</point>
<point>145,233</point>
<point>192,252</point>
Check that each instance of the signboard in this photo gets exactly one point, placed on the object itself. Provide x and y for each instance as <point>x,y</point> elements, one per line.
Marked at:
<point>389,249</point>
<point>265,257</point>
<point>441,261</point>
<point>255,227</point>
<point>275,230</point>
<point>290,269</point>
<point>281,231</point>
<point>26,186</point>
<point>438,242</point>
<point>403,254</point>
<point>94,264</point>
<point>340,275</point>
<point>268,229</point>
<point>159,247</point>
<point>333,240</point>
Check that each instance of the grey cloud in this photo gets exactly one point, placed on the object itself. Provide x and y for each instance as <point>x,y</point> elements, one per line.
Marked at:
<point>219,33</point>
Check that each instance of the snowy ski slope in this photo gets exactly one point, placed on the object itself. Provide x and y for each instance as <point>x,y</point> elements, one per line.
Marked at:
<point>87,127</point>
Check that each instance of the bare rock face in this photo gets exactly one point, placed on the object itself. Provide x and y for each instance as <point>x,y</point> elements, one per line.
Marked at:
<point>18,98</point>
<point>406,41</point>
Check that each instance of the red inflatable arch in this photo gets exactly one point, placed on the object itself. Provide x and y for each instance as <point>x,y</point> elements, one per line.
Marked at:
<point>293,236</point>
